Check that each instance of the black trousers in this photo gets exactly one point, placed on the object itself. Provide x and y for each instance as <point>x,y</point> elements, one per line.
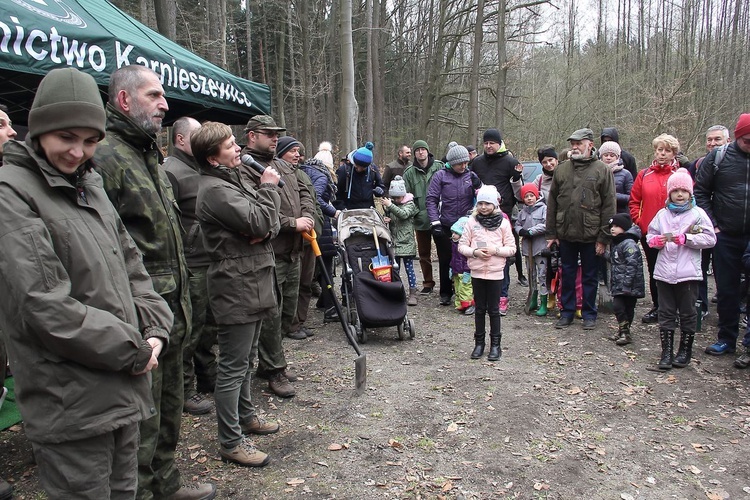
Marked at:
<point>486,301</point>
<point>624,306</point>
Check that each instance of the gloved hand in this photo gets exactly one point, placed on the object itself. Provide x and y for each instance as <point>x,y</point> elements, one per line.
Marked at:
<point>524,233</point>
<point>437,230</point>
<point>657,241</point>
<point>511,260</point>
<point>466,278</point>
<point>378,191</point>
<point>680,239</point>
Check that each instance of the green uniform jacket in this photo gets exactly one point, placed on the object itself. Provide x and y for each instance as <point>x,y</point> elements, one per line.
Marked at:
<point>241,275</point>
<point>77,303</point>
<point>128,160</point>
<point>417,181</point>
<point>581,201</point>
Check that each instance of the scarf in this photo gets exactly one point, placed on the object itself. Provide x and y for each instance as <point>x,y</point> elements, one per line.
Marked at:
<point>492,221</point>
<point>672,166</point>
<point>678,209</point>
<point>617,166</point>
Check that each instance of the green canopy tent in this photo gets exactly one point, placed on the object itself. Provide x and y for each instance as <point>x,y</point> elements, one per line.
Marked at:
<point>98,38</point>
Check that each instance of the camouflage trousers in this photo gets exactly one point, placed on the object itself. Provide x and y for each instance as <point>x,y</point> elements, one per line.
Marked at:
<point>158,476</point>
<point>198,358</point>
<point>271,357</point>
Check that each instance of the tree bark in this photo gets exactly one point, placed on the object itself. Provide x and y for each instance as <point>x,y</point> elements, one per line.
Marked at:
<point>472,132</point>
<point>348,105</point>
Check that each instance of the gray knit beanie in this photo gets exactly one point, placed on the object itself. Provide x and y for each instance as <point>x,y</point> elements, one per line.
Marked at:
<point>457,154</point>
<point>66,98</point>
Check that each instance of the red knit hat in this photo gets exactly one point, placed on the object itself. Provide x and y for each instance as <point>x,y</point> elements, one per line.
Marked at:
<point>529,188</point>
<point>743,126</point>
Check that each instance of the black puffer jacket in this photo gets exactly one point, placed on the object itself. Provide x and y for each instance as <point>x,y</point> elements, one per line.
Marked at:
<point>628,160</point>
<point>325,193</point>
<point>627,264</point>
<point>499,170</point>
<point>724,193</point>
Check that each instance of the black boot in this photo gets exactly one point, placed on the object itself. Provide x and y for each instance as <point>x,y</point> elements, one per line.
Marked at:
<point>478,346</point>
<point>685,352</point>
<point>667,344</point>
<point>624,334</point>
<point>495,350</point>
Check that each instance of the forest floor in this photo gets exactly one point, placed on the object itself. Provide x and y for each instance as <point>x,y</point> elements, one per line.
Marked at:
<point>564,414</point>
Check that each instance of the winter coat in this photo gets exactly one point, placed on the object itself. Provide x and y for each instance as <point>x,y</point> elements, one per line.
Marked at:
<point>500,240</point>
<point>78,304</point>
<point>391,170</point>
<point>402,226</point>
<point>534,219</point>
<point>296,201</point>
<point>627,264</point>
<point>417,181</point>
<point>184,175</point>
<point>500,171</point>
<point>128,161</point>
<point>649,193</point>
<point>677,263</point>
<point>325,192</point>
<point>241,275</point>
<point>746,258</point>
<point>725,193</point>
<point>459,262</point>
<point>581,201</point>
<point>451,195</point>
<point>357,189</point>
<point>628,160</point>
<point>543,182</point>
<point>623,186</point>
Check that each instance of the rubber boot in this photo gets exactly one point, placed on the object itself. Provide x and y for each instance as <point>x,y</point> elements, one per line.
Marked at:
<point>533,305</point>
<point>412,301</point>
<point>551,301</point>
<point>542,311</point>
<point>495,350</point>
<point>685,352</point>
<point>624,334</point>
<point>478,346</point>
<point>667,345</point>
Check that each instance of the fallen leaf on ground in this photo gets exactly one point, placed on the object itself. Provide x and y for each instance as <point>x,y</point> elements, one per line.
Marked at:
<point>695,470</point>
<point>295,481</point>
<point>453,427</point>
<point>541,486</point>
<point>334,447</point>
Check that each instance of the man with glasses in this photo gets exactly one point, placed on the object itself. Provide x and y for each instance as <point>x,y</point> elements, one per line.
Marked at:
<point>296,217</point>
<point>724,193</point>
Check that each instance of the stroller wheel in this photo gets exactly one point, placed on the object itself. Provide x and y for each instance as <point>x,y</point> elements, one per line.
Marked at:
<point>412,329</point>
<point>400,327</point>
<point>361,334</point>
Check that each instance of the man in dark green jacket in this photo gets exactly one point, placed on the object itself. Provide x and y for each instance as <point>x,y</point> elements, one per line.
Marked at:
<point>128,160</point>
<point>581,202</point>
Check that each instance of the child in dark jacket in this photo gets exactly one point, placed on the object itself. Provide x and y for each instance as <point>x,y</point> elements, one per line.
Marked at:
<point>464,293</point>
<point>626,282</point>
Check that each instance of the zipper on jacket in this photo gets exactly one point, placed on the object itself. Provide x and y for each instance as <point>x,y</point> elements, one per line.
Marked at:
<point>80,190</point>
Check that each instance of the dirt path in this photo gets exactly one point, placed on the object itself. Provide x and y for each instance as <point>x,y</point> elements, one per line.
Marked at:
<point>564,414</point>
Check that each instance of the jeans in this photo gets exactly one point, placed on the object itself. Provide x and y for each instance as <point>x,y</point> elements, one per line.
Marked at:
<point>727,267</point>
<point>238,345</point>
<point>570,251</point>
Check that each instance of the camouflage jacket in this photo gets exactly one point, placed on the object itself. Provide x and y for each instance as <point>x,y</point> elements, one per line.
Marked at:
<point>128,160</point>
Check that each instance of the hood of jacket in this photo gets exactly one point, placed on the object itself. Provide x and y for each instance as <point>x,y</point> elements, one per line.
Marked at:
<point>610,132</point>
<point>132,133</point>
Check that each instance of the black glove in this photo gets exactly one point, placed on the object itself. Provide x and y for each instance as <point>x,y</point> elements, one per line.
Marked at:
<point>437,231</point>
<point>510,260</point>
<point>378,191</point>
<point>524,233</point>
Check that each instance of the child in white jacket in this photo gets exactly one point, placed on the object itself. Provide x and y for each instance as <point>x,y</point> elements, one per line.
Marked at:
<point>679,231</point>
<point>486,242</point>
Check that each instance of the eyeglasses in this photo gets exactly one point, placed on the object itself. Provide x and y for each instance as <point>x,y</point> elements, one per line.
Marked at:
<point>744,140</point>
<point>267,133</point>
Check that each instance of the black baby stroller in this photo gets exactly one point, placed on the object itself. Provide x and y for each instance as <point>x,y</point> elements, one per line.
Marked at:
<point>364,243</point>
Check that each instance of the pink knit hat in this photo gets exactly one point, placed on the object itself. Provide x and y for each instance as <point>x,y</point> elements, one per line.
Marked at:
<point>680,179</point>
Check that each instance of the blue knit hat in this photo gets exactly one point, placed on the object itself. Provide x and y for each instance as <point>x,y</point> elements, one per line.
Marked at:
<point>362,156</point>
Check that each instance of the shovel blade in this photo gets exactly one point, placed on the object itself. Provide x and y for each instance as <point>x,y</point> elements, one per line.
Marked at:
<point>360,374</point>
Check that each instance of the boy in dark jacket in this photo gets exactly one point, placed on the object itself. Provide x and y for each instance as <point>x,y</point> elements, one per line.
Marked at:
<point>626,283</point>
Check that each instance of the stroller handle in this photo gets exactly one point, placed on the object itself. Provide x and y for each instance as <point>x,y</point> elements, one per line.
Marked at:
<point>312,237</point>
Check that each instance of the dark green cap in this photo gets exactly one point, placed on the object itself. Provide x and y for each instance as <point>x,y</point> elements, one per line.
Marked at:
<point>581,134</point>
<point>262,122</point>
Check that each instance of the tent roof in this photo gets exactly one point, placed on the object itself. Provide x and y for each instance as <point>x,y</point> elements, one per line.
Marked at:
<point>98,38</point>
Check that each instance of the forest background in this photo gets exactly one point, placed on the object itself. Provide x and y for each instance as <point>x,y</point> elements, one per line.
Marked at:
<point>393,71</point>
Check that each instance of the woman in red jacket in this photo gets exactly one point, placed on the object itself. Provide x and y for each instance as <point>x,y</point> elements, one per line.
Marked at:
<point>647,197</point>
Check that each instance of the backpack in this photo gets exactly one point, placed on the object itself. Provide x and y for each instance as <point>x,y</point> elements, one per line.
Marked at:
<point>720,152</point>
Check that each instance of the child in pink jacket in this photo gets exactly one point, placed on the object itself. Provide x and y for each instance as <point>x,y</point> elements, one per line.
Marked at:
<point>679,231</point>
<point>486,242</point>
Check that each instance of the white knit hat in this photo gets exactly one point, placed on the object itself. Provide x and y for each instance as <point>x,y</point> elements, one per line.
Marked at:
<point>489,194</point>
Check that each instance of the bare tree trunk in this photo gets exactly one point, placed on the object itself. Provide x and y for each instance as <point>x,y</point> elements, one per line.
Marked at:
<point>293,84</point>
<point>379,13</point>
<point>472,132</point>
<point>249,39</point>
<point>502,61</point>
<point>217,32</point>
<point>367,126</point>
<point>348,107</point>
<point>166,13</point>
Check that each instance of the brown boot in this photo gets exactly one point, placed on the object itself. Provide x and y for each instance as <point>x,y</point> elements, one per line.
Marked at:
<point>279,385</point>
<point>291,377</point>
<point>259,426</point>
<point>198,491</point>
<point>412,301</point>
<point>245,454</point>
